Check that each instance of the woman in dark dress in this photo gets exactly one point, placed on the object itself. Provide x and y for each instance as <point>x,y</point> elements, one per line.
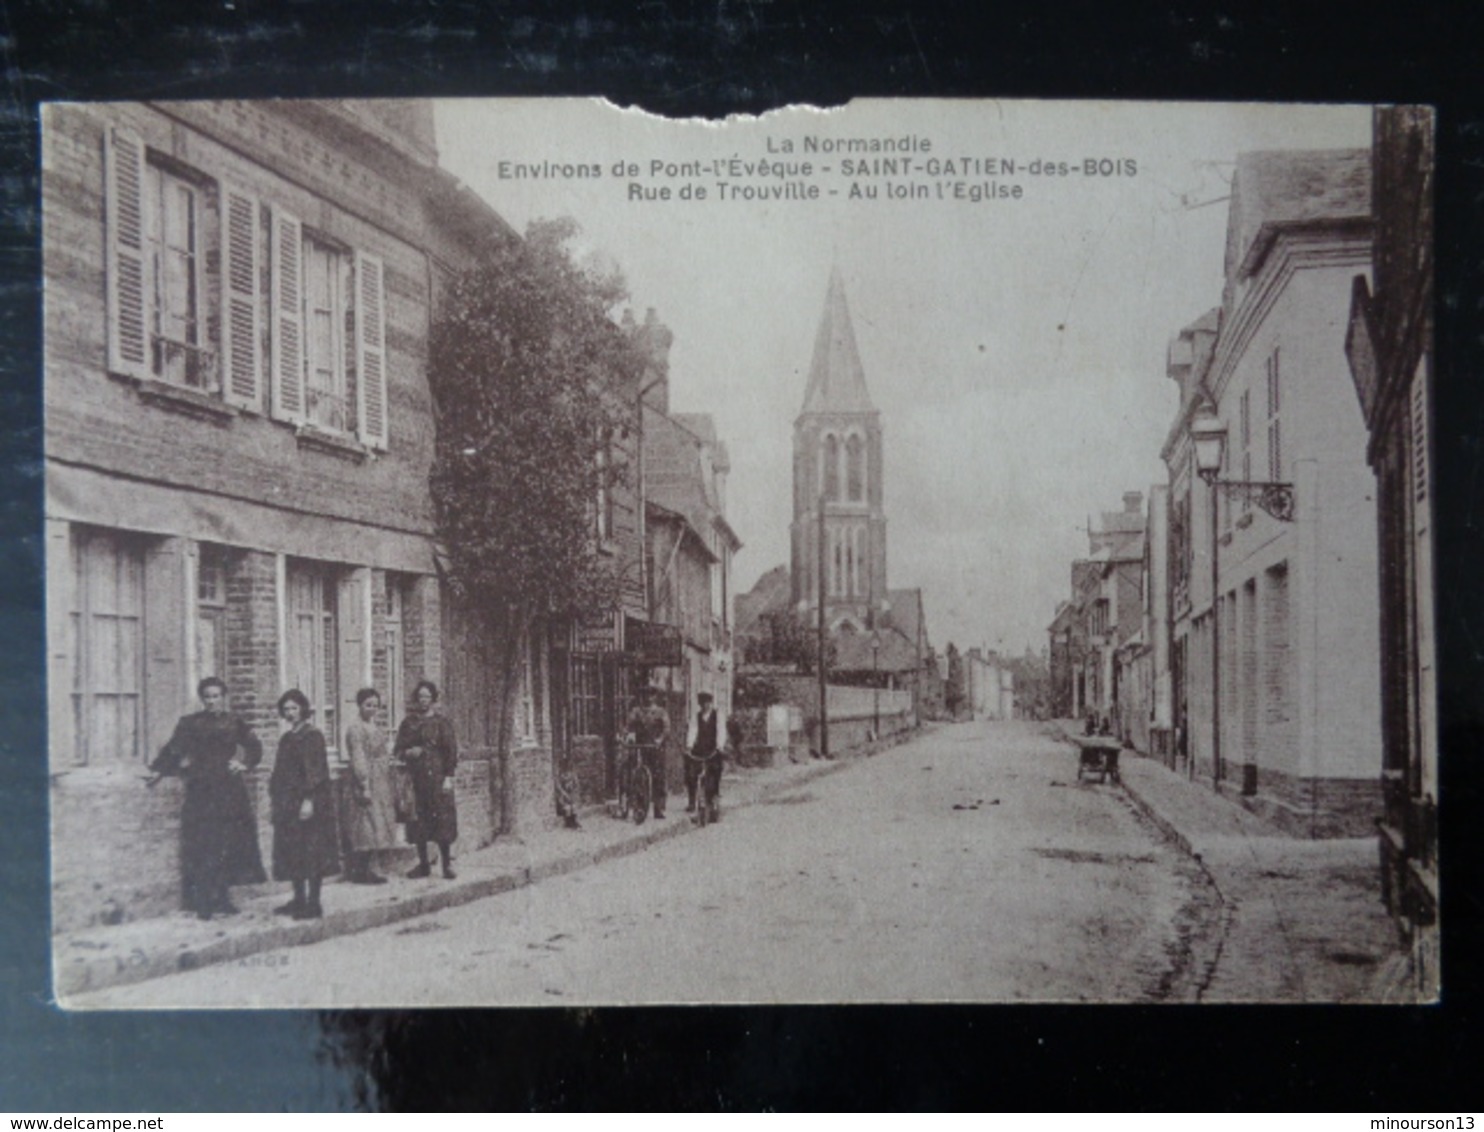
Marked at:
<point>210,750</point>
<point>306,846</point>
<point>427,747</point>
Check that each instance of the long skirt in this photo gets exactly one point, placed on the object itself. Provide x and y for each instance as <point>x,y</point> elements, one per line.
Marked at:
<point>307,848</point>
<point>218,841</point>
<point>374,824</point>
<point>437,817</point>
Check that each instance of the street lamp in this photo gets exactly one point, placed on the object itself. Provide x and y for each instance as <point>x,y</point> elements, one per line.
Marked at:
<point>875,684</point>
<point>1208,439</point>
<point>1208,435</point>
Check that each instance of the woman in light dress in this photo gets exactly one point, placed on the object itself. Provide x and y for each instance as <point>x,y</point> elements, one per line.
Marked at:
<point>370,820</point>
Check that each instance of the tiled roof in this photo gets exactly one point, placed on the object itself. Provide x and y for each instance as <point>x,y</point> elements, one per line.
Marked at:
<point>905,612</point>
<point>674,476</point>
<point>769,594</point>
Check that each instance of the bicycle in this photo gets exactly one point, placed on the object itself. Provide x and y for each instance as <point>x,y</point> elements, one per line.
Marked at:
<point>708,783</point>
<point>635,783</point>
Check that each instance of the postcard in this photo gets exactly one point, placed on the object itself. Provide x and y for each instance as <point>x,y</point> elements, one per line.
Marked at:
<point>531,552</point>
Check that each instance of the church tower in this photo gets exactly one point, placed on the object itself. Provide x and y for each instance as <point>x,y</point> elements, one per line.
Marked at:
<point>837,455</point>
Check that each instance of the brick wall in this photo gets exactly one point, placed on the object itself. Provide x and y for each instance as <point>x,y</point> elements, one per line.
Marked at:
<point>115,848</point>
<point>252,642</point>
<point>1317,807</point>
<point>101,421</point>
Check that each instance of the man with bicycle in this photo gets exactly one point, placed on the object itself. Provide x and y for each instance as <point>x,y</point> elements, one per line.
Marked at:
<point>648,728</point>
<point>705,758</point>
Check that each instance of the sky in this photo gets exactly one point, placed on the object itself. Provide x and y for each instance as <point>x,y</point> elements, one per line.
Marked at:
<point>1014,346</point>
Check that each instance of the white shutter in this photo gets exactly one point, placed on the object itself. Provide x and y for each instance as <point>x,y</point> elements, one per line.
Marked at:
<point>371,350</point>
<point>240,362</point>
<point>288,317</point>
<point>352,603</point>
<point>128,268</point>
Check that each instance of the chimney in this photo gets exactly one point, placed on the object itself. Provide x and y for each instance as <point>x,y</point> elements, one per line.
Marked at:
<point>1133,502</point>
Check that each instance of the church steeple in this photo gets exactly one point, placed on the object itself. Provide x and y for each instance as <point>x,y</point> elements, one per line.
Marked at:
<point>837,457</point>
<point>837,383</point>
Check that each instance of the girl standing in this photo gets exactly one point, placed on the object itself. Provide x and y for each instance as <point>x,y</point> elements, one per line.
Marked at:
<point>305,844</point>
<point>427,747</point>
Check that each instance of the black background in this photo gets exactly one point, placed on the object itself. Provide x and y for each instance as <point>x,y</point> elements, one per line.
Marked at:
<point>712,59</point>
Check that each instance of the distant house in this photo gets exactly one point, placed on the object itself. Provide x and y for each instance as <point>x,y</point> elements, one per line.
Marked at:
<point>690,548</point>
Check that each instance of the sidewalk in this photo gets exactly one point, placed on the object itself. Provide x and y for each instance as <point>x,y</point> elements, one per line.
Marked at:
<point>148,949</point>
<point>1299,920</point>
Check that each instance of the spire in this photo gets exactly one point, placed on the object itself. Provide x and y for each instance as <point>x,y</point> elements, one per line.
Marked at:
<point>836,381</point>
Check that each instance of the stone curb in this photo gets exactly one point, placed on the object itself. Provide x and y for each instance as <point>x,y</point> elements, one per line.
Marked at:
<point>1159,820</point>
<point>75,978</point>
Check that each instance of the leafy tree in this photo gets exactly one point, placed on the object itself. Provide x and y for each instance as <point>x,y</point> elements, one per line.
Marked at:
<point>531,380</point>
<point>783,637</point>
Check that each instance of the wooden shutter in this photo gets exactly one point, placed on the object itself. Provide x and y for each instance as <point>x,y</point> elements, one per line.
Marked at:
<point>371,350</point>
<point>288,317</point>
<point>241,366</point>
<point>128,267</point>
<point>166,660</point>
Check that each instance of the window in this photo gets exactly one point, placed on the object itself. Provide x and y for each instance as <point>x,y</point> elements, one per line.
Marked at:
<point>329,337</point>
<point>848,585</point>
<point>1246,423</point>
<point>156,215</point>
<point>312,647</point>
<point>855,468</point>
<point>326,309</point>
<point>107,628</point>
<point>585,676</point>
<point>173,234</point>
<point>1275,431</point>
<point>831,467</point>
<point>161,219</point>
<point>211,612</point>
<point>326,302</point>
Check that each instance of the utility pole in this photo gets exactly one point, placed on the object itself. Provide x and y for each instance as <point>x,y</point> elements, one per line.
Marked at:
<point>822,658</point>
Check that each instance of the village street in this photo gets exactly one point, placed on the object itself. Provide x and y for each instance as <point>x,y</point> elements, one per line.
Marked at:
<point>967,864</point>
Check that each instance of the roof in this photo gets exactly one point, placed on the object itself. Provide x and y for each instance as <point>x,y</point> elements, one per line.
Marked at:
<point>675,474</point>
<point>905,614</point>
<point>1121,522</point>
<point>771,593</point>
<point>837,383</point>
<point>1275,190</point>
